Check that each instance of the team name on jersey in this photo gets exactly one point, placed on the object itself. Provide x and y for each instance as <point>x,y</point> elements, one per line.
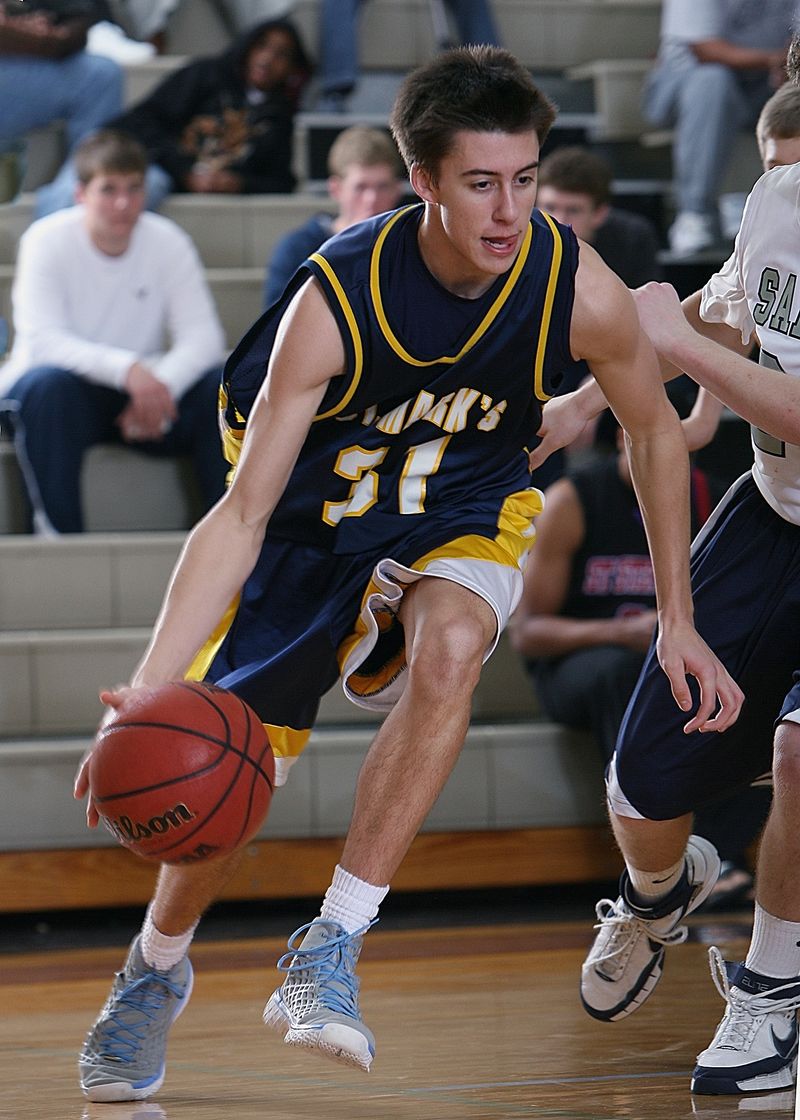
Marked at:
<point>775,308</point>
<point>451,412</point>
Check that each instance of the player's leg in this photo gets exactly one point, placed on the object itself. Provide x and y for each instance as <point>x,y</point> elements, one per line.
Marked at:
<point>447,632</point>
<point>124,1054</point>
<point>755,1046</point>
<point>749,616</point>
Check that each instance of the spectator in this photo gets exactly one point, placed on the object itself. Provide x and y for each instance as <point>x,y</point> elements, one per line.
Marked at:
<point>575,188</point>
<point>221,125</point>
<point>148,19</point>
<point>717,64</point>
<point>366,179</point>
<point>97,289</point>
<point>46,74</point>
<point>586,619</point>
<point>338,39</point>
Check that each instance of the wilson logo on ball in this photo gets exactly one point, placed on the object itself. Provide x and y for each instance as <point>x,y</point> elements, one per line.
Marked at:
<point>124,829</point>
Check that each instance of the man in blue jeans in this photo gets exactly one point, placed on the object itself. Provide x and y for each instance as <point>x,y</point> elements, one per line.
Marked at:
<point>42,53</point>
<point>717,64</point>
<point>116,337</point>
<point>338,63</point>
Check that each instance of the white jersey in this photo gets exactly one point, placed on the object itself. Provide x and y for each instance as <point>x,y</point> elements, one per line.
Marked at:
<point>757,290</point>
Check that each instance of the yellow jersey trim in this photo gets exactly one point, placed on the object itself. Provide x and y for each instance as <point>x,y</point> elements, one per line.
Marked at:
<point>483,326</point>
<point>547,310</point>
<point>358,348</point>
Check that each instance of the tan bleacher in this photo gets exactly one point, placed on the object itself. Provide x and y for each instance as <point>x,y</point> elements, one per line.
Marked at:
<point>525,803</point>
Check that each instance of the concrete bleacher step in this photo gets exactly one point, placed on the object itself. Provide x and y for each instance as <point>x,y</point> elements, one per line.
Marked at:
<point>508,776</point>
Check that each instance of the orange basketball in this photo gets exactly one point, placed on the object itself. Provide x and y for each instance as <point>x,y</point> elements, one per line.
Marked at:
<point>183,773</point>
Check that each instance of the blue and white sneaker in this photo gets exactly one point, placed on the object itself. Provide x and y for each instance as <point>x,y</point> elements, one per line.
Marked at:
<point>317,1004</point>
<point>627,956</point>
<point>755,1047</point>
<point>124,1055</point>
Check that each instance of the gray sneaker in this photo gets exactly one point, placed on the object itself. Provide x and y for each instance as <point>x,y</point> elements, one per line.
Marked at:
<point>627,957</point>
<point>317,1004</point>
<point>123,1057</point>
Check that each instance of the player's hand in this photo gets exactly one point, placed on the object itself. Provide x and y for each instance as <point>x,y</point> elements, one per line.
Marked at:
<point>661,315</point>
<point>682,653</point>
<point>636,630</point>
<point>114,699</point>
<point>562,423</point>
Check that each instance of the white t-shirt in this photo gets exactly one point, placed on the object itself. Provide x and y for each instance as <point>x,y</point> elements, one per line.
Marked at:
<point>757,290</point>
<point>77,308</point>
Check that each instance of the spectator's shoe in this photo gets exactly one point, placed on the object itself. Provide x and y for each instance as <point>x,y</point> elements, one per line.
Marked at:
<point>627,957</point>
<point>317,1004</point>
<point>690,233</point>
<point>755,1047</point>
<point>123,1057</point>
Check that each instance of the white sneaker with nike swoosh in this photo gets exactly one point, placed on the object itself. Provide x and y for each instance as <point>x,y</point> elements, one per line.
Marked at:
<point>755,1047</point>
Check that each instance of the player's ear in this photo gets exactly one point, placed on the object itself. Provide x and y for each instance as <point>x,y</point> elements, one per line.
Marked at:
<point>423,183</point>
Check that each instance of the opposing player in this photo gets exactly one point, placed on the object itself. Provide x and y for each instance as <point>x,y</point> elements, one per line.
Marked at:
<point>746,581</point>
<point>379,517</point>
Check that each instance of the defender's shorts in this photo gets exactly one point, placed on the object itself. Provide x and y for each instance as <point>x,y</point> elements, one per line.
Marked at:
<point>307,616</point>
<point>746,587</point>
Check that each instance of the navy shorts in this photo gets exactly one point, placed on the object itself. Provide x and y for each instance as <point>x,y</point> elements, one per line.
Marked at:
<point>746,589</point>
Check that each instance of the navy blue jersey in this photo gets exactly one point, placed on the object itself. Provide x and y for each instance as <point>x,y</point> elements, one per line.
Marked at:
<point>440,395</point>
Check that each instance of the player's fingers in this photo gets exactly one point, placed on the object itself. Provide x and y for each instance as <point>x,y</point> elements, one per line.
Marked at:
<point>81,785</point>
<point>115,697</point>
<point>730,699</point>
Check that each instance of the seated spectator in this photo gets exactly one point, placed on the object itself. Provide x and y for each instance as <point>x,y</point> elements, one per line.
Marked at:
<point>717,64</point>
<point>338,44</point>
<point>147,20</point>
<point>587,616</point>
<point>365,178</point>
<point>46,75</point>
<point>98,290</point>
<point>575,188</point>
<point>220,125</point>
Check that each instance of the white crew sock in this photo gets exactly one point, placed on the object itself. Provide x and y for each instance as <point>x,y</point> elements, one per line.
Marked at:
<point>160,950</point>
<point>774,947</point>
<point>351,902</point>
<point>650,886</point>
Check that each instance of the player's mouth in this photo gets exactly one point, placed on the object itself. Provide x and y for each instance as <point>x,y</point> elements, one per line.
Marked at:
<point>501,246</point>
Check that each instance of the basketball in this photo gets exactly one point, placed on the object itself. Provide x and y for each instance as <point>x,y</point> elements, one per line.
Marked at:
<point>183,773</point>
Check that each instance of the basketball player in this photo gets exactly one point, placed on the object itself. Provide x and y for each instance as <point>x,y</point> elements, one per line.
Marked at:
<point>746,580</point>
<point>406,369</point>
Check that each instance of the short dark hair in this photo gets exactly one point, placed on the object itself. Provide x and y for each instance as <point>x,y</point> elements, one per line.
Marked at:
<point>579,171</point>
<point>473,88</point>
<point>780,117</point>
<point>108,151</point>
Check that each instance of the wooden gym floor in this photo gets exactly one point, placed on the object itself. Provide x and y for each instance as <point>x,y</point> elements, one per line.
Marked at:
<point>473,1022</point>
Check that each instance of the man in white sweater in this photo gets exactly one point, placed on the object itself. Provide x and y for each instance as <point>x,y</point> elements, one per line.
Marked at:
<point>116,337</point>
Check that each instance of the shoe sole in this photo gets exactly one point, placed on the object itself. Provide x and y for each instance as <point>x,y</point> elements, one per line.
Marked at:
<point>111,1091</point>
<point>278,1019</point>
<point>649,978</point>
<point>724,1086</point>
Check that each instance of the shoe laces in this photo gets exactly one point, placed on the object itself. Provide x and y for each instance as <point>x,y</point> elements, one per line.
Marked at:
<point>324,974</point>
<point>746,1011</point>
<point>621,926</point>
<point>135,1007</point>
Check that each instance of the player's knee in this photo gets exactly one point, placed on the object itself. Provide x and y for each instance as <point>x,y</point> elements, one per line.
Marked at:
<point>786,759</point>
<point>449,655</point>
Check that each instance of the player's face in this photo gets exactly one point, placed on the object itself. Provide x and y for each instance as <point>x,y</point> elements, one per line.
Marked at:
<point>363,192</point>
<point>479,206</point>
<point>112,202</point>
<point>572,208</point>
<point>777,152</point>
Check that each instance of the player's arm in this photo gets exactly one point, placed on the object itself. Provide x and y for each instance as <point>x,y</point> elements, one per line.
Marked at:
<point>606,332</point>
<point>222,550</point>
<point>538,628</point>
<point>765,397</point>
